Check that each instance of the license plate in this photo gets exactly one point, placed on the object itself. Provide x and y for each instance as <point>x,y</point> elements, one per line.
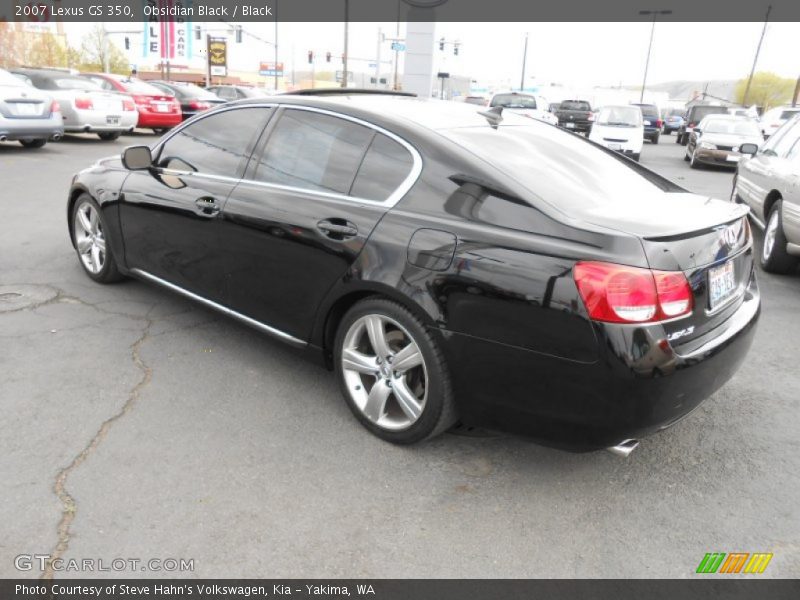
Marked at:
<point>570,125</point>
<point>647,122</point>
<point>112,120</point>
<point>161,107</point>
<point>733,157</point>
<point>615,146</point>
<point>24,108</point>
<point>721,284</point>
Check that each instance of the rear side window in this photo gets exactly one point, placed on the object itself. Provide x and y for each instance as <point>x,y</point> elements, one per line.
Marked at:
<point>385,166</point>
<point>216,144</point>
<point>314,151</point>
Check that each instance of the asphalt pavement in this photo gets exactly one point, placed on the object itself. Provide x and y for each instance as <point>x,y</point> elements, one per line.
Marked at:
<point>137,425</point>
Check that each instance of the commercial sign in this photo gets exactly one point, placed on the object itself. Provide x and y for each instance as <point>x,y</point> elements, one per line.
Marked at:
<point>269,69</point>
<point>218,56</point>
<point>168,40</point>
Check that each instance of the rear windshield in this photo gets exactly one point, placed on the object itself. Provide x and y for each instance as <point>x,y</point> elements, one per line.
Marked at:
<point>8,79</point>
<point>701,111</point>
<point>137,86</point>
<point>788,114</point>
<point>620,116</point>
<point>514,101</point>
<point>731,127</point>
<point>575,105</point>
<point>191,91</point>
<point>564,170</point>
<point>648,110</point>
<point>74,83</point>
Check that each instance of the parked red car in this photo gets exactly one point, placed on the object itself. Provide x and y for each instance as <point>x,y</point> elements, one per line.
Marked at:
<point>157,111</point>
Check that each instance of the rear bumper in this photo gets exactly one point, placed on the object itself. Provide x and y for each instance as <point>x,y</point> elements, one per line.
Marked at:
<point>640,385</point>
<point>155,119</point>
<point>91,121</point>
<point>25,129</point>
<point>575,126</point>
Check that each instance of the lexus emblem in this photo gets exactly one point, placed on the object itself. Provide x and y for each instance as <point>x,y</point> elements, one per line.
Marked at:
<point>731,236</point>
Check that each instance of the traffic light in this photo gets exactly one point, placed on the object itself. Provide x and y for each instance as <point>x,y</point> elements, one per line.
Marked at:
<point>127,43</point>
<point>310,56</point>
<point>238,34</point>
<point>197,33</point>
<point>441,44</point>
<point>327,57</point>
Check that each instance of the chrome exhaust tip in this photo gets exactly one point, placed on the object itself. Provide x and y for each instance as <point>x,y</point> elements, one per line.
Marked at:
<point>623,449</point>
<point>3,138</point>
<point>56,137</point>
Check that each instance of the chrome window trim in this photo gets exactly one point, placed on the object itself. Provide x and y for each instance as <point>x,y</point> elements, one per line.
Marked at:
<point>263,327</point>
<point>393,199</point>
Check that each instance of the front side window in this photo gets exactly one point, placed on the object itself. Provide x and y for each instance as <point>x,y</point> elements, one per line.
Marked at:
<point>215,145</point>
<point>514,101</point>
<point>780,143</point>
<point>314,151</point>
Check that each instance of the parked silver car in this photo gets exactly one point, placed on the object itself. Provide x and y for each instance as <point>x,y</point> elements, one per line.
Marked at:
<point>86,107</point>
<point>27,114</point>
<point>768,180</point>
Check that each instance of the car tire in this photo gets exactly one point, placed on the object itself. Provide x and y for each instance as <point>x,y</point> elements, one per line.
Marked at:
<point>693,162</point>
<point>774,258</point>
<point>89,236</point>
<point>372,334</point>
<point>655,138</point>
<point>735,198</point>
<point>160,130</point>
<point>684,139</point>
<point>678,137</point>
<point>686,155</point>
<point>33,143</point>
<point>109,136</point>
<point>635,157</point>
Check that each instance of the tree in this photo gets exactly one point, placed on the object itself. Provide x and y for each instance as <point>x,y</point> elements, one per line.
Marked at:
<point>94,51</point>
<point>767,90</point>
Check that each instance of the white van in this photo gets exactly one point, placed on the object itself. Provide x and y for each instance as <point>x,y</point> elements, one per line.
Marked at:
<point>620,128</point>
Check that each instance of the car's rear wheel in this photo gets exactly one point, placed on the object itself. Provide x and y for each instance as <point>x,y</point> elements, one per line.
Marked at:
<point>160,130</point>
<point>735,197</point>
<point>91,242</point>
<point>33,143</point>
<point>392,373</point>
<point>684,139</point>
<point>109,136</point>
<point>693,162</point>
<point>774,258</point>
<point>655,138</point>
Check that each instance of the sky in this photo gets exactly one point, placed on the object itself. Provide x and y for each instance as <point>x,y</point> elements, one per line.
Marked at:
<point>568,53</point>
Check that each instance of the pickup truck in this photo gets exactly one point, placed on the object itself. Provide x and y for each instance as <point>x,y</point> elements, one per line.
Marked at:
<point>575,115</point>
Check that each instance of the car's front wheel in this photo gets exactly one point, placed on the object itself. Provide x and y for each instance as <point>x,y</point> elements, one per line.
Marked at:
<point>774,258</point>
<point>693,162</point>
<point>392,373</point>
<point>91,242</point>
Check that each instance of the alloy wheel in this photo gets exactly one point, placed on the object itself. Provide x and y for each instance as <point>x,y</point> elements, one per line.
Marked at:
<point>384,372</point>
<point>89,238</point>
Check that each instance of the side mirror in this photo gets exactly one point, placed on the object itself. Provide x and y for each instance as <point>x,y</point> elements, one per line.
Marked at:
<point>137,158</point>
<point>749,149</point>
<point>697,131</point>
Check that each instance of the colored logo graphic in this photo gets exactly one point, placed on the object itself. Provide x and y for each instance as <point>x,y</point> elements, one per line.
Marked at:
<point>736,562</point>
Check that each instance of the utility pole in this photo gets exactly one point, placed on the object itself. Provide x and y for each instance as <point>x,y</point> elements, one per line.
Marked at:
<point>106,48</point>
<point>755,60</point>
<point>378,59</point>
<point>655,14</point>
<point>346,32</point>
<point>524,61</point>
<point>397,52</point>
<point>796,93</point>
<point>276,46</point>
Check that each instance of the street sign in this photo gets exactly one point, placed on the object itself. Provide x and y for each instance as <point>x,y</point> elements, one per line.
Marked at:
<point>268,69</point>
<point>217,57</point>
<point>219,71</point>
<point>399,46</point>
<point>443,75</point>
<point>340,75</point>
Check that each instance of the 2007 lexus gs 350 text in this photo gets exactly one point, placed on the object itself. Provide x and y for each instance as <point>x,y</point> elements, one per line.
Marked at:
<point>450,264</point>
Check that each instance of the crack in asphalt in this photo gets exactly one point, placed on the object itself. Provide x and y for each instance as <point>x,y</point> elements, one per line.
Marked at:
<point>68,503</point>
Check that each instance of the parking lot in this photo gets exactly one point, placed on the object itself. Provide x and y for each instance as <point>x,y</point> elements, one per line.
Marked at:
<point>140,425</point>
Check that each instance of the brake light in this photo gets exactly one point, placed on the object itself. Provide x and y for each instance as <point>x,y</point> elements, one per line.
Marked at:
<point>590,117</point>
<point>691,124</point>
<point>55,106</point>
<point>659,122</point>
<point>83,103</point>
<point>622,294</point>
<point>141,100</point>
<point>195,105</point>
<point>127,104</point>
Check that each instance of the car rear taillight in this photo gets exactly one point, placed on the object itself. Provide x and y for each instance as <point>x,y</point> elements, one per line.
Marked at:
<point>590,117</point>
<point>127,104</point>
<point>622,294</point>
<point>55,106</point>
<point>195,105</point>
<point>83,103</point>
<point>691,124</point>
<point>141,100</point>
<point>659,122</point>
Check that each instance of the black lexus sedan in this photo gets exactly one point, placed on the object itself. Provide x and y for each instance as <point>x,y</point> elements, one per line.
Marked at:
<point>451,264</point>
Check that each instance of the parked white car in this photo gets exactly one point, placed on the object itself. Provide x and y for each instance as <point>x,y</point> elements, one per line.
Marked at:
<point>619,128</point>
<point>772,120</point>
<point>27,115</point>
<point>527,105</point>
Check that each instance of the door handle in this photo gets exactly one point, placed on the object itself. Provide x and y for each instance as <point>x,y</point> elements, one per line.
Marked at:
<point>207,206</point>
<point>337,229</point>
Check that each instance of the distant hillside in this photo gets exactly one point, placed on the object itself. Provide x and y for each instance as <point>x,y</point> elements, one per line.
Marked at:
<point>686,90</point>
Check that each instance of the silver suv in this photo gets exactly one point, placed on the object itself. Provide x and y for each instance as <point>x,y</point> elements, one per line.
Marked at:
<point>769,182</point>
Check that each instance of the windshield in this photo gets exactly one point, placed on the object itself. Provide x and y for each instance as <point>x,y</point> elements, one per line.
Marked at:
<point>788,114</point>
<point>514,101</point>
<point>731,127</point>
<point>191,91</point>
<point>7,78</point>
<point>620,116</point>
<point>574,105</point>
